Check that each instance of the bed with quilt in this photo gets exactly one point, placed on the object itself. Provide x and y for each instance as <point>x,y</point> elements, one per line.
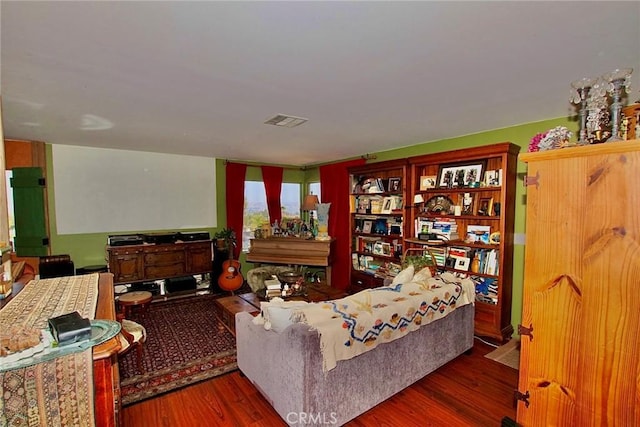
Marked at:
<point>328,362</point>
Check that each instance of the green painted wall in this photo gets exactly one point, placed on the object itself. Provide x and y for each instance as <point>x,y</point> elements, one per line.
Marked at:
<point>89,249</point>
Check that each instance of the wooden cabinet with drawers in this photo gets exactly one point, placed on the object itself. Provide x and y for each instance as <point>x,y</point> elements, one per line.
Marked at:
<point>137,263</point>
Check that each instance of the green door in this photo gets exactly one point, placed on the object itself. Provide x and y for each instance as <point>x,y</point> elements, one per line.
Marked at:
<point>29,212</point>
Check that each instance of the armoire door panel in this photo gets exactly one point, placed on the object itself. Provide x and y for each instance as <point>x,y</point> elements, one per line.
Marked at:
<point>580,296</point>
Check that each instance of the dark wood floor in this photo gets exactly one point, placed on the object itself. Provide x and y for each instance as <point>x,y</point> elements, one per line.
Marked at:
<point>469,391</point>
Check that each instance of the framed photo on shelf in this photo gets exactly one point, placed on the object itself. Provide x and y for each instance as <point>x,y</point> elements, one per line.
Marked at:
<point>492,178</point>
<point>461,263</point>
<point>395,185</point>
<point>485,206</point>
<point>427,182</point>
<point>467,202</point>
<point>397,203</point>
<point>386,249</point>
<point>387,205</point>
<point>364,205</point>
<point>378,248</point>
<point>366,227</point>
<point>375,204</point>
<point>461,175</point>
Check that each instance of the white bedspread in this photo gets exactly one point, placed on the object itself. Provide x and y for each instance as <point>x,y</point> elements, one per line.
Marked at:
<point>358,323</point>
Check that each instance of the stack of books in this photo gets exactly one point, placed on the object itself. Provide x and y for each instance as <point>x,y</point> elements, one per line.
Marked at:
<point>274,288</point>
<point>445,228</point>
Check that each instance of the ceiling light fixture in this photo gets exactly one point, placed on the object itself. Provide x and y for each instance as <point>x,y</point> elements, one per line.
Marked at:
<point>285,121</point>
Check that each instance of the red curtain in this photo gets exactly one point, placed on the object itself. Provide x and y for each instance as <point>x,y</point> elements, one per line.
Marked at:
<point>272,178</point>
<point>334,189</point>
<point>235,175</point>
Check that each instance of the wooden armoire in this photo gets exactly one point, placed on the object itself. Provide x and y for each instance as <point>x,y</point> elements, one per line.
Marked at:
<point>580,357</point>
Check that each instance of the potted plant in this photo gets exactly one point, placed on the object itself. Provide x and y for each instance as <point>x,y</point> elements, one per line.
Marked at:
<point>224,238</point>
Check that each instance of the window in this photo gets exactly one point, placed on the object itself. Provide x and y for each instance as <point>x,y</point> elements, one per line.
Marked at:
<point>255,207</point>
<point>314,188</point>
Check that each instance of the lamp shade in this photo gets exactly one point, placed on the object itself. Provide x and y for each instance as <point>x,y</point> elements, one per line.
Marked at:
<point>418,199</point>
<point>310,202</point>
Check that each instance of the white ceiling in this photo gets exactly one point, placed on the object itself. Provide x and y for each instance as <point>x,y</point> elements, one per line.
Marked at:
<point>200,78</point>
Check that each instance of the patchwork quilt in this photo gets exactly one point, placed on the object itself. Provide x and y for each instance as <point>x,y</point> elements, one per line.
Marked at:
<point>355,324</point>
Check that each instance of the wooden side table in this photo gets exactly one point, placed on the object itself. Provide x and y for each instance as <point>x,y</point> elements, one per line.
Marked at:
<point>134,301</point>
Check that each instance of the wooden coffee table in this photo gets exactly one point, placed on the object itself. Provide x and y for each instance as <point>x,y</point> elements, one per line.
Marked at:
<point>227,307</point>
<point>317,292</point>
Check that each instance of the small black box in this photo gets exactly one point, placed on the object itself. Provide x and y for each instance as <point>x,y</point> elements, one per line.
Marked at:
<point>193,236</point>
<point>69,328</point>
<point>133,239</point>
<point>177,284</point>
<point>159,238</point>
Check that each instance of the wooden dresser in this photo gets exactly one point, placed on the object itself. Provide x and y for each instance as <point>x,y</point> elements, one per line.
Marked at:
<point>137,263</point>
<point>580,355</point>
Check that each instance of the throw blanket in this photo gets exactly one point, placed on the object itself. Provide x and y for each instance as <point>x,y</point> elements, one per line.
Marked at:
<point>358,323</point>
<point>58,392</point>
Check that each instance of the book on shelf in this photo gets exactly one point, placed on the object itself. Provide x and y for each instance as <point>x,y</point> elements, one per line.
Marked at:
<point>440,254</point>
<point>460,251</point>
<point>375,204</point>
<point>491,267</point>
<point>355,261</point>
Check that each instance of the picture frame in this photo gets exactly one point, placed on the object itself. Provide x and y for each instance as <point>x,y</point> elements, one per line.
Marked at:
<point>461,175</point>
<point>378,248</point>
<point>397,203</point>
<point>387,205</point>
<point>366,227</point>
<point>491,178</point>
<point>428,182</point>
<point>395,229</point>
<point>386,249</point>
<point>395,185</point>
<point>364,205</point>
<point>380,226</point>
<point>376,204</point>
<point>461,263</point>
<point>485,206</point>
<point>467,203</point>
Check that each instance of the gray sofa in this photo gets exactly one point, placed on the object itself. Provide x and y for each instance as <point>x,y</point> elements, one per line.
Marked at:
<point>287,367</point>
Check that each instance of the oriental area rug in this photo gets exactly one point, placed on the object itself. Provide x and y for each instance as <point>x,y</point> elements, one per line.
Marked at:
<point>186,343</point>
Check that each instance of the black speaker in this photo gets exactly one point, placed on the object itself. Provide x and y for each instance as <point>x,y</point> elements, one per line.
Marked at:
<point>177,284</point>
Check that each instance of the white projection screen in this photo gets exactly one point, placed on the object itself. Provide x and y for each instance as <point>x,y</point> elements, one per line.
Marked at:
<point>101,190</point>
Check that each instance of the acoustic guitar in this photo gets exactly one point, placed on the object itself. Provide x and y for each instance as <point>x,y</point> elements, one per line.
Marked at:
<point>230,279</point>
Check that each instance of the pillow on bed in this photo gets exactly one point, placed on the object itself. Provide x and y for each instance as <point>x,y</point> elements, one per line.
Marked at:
<point>404,276</point>
<point>276,314</point>
<point>422,276</point>
<point>422,281</point>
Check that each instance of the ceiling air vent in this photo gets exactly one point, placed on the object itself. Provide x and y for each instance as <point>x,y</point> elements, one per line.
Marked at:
<point>285,121</point>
